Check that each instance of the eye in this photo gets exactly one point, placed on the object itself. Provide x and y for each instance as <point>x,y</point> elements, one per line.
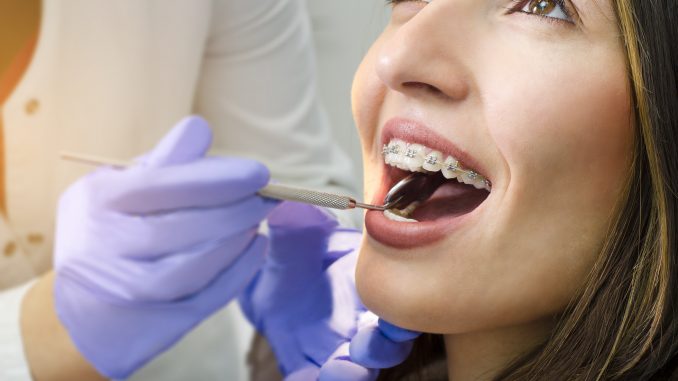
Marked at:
<point>554,9</point>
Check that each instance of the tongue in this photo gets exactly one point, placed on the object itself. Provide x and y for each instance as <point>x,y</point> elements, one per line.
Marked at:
<point>451,199</point>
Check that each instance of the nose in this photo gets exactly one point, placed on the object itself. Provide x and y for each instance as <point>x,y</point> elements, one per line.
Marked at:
<point>420,61</point>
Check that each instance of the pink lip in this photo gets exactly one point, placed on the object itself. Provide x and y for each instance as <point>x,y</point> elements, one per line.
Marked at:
<point>407,235</point>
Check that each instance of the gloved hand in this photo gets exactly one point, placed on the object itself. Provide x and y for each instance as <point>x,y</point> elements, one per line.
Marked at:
<point>377,345</point>
<point>143,255</point>
<point>305,303</point>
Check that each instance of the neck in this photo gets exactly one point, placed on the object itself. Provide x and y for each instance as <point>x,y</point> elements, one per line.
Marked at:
<point>481,355</point>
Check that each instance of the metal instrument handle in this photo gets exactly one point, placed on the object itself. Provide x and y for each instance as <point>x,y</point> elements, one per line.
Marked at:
<point>307,196</point>
<point>274,191</point>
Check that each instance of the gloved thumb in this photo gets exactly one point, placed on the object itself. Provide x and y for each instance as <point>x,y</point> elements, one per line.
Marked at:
<point>381,346</point>
<point>187,141</point>
<point>299,236</point>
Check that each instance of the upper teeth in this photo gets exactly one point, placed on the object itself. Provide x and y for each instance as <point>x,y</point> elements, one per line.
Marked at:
<point>418,158</point>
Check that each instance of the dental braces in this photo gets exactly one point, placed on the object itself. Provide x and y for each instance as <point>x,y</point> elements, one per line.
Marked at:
<point>453,166</point>
<point>409,152</point>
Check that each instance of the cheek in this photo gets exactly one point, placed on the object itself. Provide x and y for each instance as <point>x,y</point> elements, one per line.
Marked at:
<point>367,94</point>
<point>563,128</point>
<point>570,126</point>
<point>566,139</point>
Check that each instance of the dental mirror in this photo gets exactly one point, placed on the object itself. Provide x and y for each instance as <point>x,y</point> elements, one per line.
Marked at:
<point>415,187</point>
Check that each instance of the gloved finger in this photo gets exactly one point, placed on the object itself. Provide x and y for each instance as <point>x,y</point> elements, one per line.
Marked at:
<point>342,241</point>
<point>181,315</point>
<point>75,294</point>
<point>342,272</point>
<point>371,349</point>
<point>157,235</point>
<point>188,140</point>
<point>337,315</point>
<point>208,182</point>
<point>184,274</point>
<point>345,370</point>
<point>227,285</point>
<point>396,333</point>
<point>308,373</point>
<point>168,278</point>
<point>299,236</point>
<point>340,368</point>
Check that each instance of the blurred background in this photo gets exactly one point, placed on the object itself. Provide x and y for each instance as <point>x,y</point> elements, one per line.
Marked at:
<point>343,32</point>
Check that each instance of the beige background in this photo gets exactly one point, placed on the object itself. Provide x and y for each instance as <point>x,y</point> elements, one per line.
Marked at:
<point>343,32</point>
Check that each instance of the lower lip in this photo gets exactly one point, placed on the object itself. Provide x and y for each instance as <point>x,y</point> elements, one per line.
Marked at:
<point>408,235</point>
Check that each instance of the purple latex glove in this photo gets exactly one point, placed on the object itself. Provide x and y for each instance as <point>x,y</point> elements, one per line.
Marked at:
<point>305,303</point>
<point>377,345</point>
<point>143,255</point>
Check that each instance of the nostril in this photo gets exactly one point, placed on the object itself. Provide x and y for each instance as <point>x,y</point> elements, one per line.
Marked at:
<point>424,87</point>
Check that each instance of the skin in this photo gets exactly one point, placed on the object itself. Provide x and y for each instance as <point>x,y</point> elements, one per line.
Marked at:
<point>49,350</point>
<point>545,107</point>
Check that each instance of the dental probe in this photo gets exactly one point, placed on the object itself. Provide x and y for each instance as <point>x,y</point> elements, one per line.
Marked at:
<point>274,191</point>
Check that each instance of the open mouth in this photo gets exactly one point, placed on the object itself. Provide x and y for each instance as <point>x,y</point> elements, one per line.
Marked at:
<point>445,189</point>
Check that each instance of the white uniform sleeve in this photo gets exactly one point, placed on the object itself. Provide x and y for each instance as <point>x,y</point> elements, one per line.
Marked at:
<point>258,91</point>
<point>13,365</point>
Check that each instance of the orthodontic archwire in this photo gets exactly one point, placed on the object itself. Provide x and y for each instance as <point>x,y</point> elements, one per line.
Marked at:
<point>430,159</point>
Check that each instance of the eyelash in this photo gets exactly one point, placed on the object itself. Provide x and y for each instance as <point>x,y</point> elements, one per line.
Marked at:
<point>517,6</point>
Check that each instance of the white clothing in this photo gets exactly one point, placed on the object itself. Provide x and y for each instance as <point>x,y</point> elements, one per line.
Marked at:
<point>110,78</point>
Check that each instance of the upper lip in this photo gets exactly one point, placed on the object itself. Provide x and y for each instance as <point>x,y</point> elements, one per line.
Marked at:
<point>412,131</point>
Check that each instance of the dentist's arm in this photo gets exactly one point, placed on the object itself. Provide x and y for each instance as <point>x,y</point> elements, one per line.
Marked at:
<point>50,353</point>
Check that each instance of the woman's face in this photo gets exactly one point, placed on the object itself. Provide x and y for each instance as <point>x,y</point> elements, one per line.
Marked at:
<point>531,95</point>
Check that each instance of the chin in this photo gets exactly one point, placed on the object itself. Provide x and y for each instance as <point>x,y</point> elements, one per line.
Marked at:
<point>394,291</point>
<point>417,295</point>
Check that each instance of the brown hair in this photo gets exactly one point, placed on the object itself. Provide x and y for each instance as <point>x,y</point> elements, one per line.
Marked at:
<point>622,325</point>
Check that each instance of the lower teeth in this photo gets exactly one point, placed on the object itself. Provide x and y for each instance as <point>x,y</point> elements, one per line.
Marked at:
<point>402,215</point>
<point>395,215</point>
